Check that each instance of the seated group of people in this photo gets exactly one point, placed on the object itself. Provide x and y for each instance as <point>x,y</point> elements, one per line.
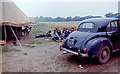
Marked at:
<point>58,34</point>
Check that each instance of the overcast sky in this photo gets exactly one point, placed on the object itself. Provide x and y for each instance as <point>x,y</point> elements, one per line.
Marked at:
<point>65,8</point>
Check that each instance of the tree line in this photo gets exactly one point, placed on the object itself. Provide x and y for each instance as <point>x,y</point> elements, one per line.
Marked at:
<point>76,18</point>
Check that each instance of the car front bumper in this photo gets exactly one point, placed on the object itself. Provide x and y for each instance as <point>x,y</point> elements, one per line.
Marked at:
<point>73,52</point>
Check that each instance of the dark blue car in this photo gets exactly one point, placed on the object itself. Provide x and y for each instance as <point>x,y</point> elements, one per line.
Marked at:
<point>94,38</point>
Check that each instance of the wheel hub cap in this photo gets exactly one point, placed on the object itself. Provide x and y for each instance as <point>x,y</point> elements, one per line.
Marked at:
<point>104,54</point>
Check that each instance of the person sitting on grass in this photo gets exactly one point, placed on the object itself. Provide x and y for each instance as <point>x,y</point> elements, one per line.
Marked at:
<point>55,36</point>
<point>58,31</point>
<point>72,30</point>
<point>67,32</point>
<point>62,36</point>
<point>48,34</point>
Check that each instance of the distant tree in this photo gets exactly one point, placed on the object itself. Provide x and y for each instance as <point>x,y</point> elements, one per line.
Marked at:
<point>77,18</point>
<point>62,19</point>
<point>59,19</point>
<point>117,15</point>
<point>109,15</point>
<point>41,17</point>
<point>68,19</point>
<point>48,19</point>
<point>36,19</point>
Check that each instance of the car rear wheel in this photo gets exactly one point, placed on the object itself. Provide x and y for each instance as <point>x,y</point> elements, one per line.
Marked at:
<point>104,54</point>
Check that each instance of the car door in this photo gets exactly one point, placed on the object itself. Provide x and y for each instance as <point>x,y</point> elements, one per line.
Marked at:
<point>113,30</point>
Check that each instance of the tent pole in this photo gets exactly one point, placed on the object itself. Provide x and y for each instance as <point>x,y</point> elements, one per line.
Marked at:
<point>16,36</point>
<point>5,34</point>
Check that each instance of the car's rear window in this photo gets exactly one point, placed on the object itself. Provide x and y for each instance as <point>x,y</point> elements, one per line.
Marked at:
<point>87,26</point>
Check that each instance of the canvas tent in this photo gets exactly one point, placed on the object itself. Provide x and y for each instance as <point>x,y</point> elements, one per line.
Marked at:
<point>11,13</point>
<point>12,16</point>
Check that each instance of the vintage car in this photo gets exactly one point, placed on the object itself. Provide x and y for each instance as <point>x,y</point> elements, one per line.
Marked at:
<point>94,38</point>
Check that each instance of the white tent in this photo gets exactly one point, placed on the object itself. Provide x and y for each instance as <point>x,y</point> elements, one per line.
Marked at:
<point>11,15</point>
<point>9,12</point>
<point>0,11</point>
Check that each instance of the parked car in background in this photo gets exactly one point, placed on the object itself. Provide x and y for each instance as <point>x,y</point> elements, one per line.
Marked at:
<point>94,38</point>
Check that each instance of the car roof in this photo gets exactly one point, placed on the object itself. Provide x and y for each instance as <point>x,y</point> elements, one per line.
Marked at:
<point>100,21</point>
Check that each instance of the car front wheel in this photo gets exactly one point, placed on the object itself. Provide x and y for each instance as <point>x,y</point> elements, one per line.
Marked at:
<point>104,54</point>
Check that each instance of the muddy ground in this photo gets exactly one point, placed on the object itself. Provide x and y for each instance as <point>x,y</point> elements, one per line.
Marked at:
<point>44,56</point>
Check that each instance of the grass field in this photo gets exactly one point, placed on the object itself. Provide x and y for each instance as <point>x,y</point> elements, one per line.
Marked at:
<point>43,27</point>
<point>61,24</point>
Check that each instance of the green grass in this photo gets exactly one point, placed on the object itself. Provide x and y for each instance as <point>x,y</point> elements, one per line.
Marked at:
<point>40,29</point>
<point>44,27</point>
<point>61,25</point>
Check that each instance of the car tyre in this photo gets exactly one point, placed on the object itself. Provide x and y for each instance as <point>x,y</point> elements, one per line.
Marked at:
<point>104,54</point>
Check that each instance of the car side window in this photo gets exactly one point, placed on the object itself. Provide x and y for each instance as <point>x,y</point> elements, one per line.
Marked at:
<point>113,26</point>
<point>102,29</point>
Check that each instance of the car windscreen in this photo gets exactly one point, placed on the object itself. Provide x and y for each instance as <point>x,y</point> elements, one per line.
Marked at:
<point>86,26</point>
